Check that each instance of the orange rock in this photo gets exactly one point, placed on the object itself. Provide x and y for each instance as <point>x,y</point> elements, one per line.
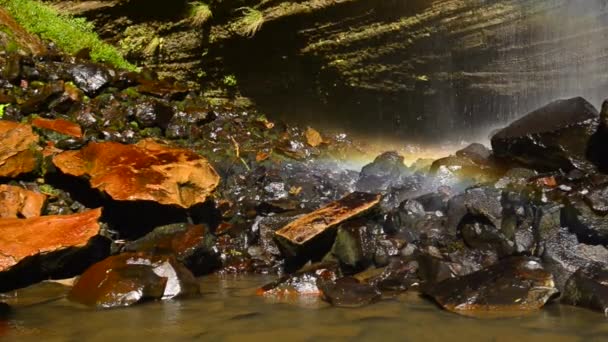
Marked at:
<point>60,126</point>
<point>146,171</point>
<point>313,137</point>
<point>15,201</point>
<point>17,152</point>
<point>22,238</point>
<point>25,40</point>
<point>304,229</point>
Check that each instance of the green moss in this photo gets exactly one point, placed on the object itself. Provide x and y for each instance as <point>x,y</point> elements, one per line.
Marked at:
<point>49,190</point>
<point>230,81</point>
<point>200,13</point>
<point>68,33</point>
<point>251,22</point>
<point>2,106</point>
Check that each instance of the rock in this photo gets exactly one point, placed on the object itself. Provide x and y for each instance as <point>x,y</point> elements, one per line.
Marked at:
<point>89,77</point>
<point>554,137</point>
<point>310,232</point>
<point>18,153</point>
<point>398,275</point>
<point>511,287</point>
<point>484,202</point>
<point>590,227</point>
<point>588,287</point>
<point>386,171</point>
<point>60,126</point>
<point>313,137</point>
<point>145,171</point>
<point>475,152</point>
<point>30,43</point>
<point>597,200</point>
<point>563,255</point>
<point>473,162</point>
<point>40,99</point>
<point>129,278</point>
<point>43,247</point>
<point>300,284</point>
<point>192,245</point>
<point>353,247</point>
<point>348,292</point>
<point>150,113</point>
<point>18,202</point>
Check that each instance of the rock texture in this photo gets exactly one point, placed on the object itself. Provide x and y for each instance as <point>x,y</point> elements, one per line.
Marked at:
<point>436,65</point>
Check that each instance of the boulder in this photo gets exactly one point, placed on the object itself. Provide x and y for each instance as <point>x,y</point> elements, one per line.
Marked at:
<point>348,292</point>
<point>45,247</point>
<point>589,225</point>
<point>511,287</point>
<point>146,171</point>
<point>386,171</point>
<point>311,233</point>
<point>128,278</point>
<point>588,287</point>
<point>192,245</point>
<point>554,137</point>
<point>18,202</point>
<point>18,153</point>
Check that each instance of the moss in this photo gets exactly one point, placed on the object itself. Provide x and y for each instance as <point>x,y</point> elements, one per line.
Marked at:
<point>251,22</point>
<point>136,40</point>
<point>68,33</point>
<point>230,81</point>
<point>200,13</point>
<point>2,106</point>
<point>49,190</point>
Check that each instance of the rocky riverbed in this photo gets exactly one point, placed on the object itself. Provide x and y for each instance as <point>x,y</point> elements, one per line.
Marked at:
<point>136,185</point>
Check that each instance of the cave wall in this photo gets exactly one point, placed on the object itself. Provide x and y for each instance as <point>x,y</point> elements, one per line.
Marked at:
<point>415,68</point>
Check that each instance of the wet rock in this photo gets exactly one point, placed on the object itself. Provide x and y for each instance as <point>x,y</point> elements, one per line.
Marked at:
<point>513,286</point>
<point>17,202</point>
<point>150,113</point>
<point>473,162</point>
<point>354,246</point>
<point>597,200</point>
<point>313,137</point>
<point>89,77</point>
<point>399,275</point>
<point>17,149</point>
<point>129,278</point>
<point>145,171</point>
<point>589,226</point>
<point>555,137</point>
<point>61,126</point>
<point>563,255</point>
<point>484,202</point>
<point>300,284</point>
<point>386,171</point>
<point>475,152</point>
<point>588,287</point>
<point>48,246</point>
<point>42,98</point>
<point>166,88</point>
<point>310,232</point>
<point>348,292</point>
<point>192,245</point>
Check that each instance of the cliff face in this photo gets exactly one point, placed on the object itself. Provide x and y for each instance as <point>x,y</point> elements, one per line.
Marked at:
<point>419,67</point>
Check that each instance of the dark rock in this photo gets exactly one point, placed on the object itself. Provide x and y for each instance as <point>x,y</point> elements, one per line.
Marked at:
<point>474,162</point>
<point>513,286</point>
<point>41,98</point>
<point>354,247</point>
<point>387,170</point>
<point>597,200</point>
<point>348,292</point>
<point>150,113</point>
<point>192,245</point>
<point>398,275</point>
<point>555,137</point>
<point>590,227</point>
<point>11,70</point>
<point>434,201</point>
<point>588,287</point>
<point>479,233</point>
<point>89,77</point>
<point>563,255</point>
<point>475,152</point>
<point>302,283</point>
<point>129,278</point>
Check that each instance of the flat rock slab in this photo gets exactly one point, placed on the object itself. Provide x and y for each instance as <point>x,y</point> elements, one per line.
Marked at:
<point>61,126</point>
<point>128,278</point>
<point>305,229</point>
<point>508,288</point>
<point>22,238</point>
<point>18,202</point>
<point>17,149</point>
<point>146,171</point>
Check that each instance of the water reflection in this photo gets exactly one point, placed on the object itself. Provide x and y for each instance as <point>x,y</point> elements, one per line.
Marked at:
<point>230,311</point>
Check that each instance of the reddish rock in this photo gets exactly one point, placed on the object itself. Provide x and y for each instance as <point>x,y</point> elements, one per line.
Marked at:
<point>145,171</point>
<point>29,42</point>
<point>16,202</point>
<point>22,238</point>
<point>128,278</point>
<point>193,245</point>
<point>306,230</point>
<point>60,126</point>
<point>18,154</point>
